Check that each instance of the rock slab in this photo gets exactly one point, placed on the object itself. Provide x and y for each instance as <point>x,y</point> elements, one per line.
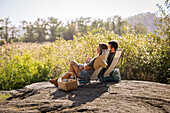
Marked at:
<point>123,97</point>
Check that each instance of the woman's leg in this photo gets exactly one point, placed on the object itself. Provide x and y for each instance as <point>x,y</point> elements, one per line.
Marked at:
<point>67,75</point>
<point>75,68</point>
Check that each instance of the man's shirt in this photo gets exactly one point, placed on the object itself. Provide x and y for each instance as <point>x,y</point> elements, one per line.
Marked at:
<point>109,61</point>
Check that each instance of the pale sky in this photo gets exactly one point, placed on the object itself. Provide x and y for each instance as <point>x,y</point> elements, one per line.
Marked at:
<point>30,10</point>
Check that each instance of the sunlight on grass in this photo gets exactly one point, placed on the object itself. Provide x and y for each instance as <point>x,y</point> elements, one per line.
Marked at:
<point>4,96</point>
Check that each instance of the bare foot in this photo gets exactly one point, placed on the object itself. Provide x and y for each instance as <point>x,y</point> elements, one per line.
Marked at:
<point>54,81</point>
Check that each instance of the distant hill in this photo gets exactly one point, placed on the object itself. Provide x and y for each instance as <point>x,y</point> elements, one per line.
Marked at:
<point>148,19</point>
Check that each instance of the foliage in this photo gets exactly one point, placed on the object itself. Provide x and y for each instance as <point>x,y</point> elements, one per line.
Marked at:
<point>29,35</point>
<point>48,29</point>
<point>148,58</point>
<point>2,42</point>
<point>147,19</point>
<point>168,80</point>
<point>145,57</point>
<point>70,32</point>
<point>22,64</point>
<point>139,28</point>
<point>54,24</point>
<point>163,20</point>
<point>6,30</point>
<point>4,96</point>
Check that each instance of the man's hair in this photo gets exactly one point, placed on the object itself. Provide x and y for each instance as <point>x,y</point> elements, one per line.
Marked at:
<point>114,44</point>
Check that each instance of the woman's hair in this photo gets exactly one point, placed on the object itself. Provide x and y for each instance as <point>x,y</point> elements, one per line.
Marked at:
<point>102,46</point>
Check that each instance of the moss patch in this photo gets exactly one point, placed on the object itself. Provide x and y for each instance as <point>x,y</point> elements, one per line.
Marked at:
<point>168,80</point>
<point>4,96</point>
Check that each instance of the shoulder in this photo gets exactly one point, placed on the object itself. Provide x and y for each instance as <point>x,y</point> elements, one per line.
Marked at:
<point>93,59</point>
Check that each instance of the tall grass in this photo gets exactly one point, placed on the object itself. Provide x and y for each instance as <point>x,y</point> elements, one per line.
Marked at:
<point>145,57</point>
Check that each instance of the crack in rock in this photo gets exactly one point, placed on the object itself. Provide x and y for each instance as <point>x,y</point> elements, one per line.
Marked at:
<point>24,94</point>
<point>158,106</point>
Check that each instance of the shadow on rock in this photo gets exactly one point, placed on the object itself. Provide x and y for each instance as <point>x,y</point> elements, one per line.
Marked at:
<point>80,96</point>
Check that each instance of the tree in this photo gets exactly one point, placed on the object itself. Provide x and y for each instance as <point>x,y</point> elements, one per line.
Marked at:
<point>113,25</point>
<point>120,23</point>
<point>54,27</point>
<point>163,30</point>
<point>7,31</point>
<point>70,32</point>
<point>81,24</point>
<point>163,21</point>
<point>61,31</point>
<point>40,29</point>
<point>98,24</point>
<point>29,35</point>
<point>5,28</point>
<point>139,28</point>
<point>108,24</point>
<point>1,28</point>
<point>14,32</point>
<point>148,19</point>
<point>94,24</point>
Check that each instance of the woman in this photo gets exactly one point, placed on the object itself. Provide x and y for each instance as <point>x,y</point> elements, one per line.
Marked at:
<point>81,71</point>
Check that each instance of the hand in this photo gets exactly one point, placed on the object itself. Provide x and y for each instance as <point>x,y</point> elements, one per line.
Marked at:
<point>82,67</point>
<point>88,59</point>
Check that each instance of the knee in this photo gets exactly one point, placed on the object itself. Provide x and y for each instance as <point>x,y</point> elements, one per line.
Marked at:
<point>72,62</point>
<point>71,73</point>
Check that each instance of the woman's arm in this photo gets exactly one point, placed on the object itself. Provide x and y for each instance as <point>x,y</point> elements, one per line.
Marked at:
<point>89,65</point>
<point>88,59</point>
<point>85,67</point>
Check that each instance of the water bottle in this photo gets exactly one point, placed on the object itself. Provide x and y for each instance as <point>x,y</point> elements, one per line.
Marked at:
<point>65,80</point>
<point>118,73</point>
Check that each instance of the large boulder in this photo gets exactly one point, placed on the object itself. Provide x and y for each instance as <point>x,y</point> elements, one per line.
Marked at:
<point>123,97</point>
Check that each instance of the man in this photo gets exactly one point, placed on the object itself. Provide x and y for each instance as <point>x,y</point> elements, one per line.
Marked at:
<point>112,45</point>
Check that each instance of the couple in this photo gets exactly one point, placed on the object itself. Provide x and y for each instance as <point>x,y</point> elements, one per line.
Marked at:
<point>85,71</point>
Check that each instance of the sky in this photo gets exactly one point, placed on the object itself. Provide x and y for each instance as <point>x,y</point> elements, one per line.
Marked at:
<point>66,10</point>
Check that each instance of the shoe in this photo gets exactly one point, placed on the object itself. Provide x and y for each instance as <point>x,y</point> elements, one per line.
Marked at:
<point>54,81</point>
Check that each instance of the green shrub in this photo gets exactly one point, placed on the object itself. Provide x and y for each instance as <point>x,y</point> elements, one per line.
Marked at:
<point>145,57</point>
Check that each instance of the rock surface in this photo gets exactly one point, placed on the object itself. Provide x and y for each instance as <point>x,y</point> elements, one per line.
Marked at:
<point>123,97</point>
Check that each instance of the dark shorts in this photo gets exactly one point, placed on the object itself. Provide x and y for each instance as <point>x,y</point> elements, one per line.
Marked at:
<point>84,74</point>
